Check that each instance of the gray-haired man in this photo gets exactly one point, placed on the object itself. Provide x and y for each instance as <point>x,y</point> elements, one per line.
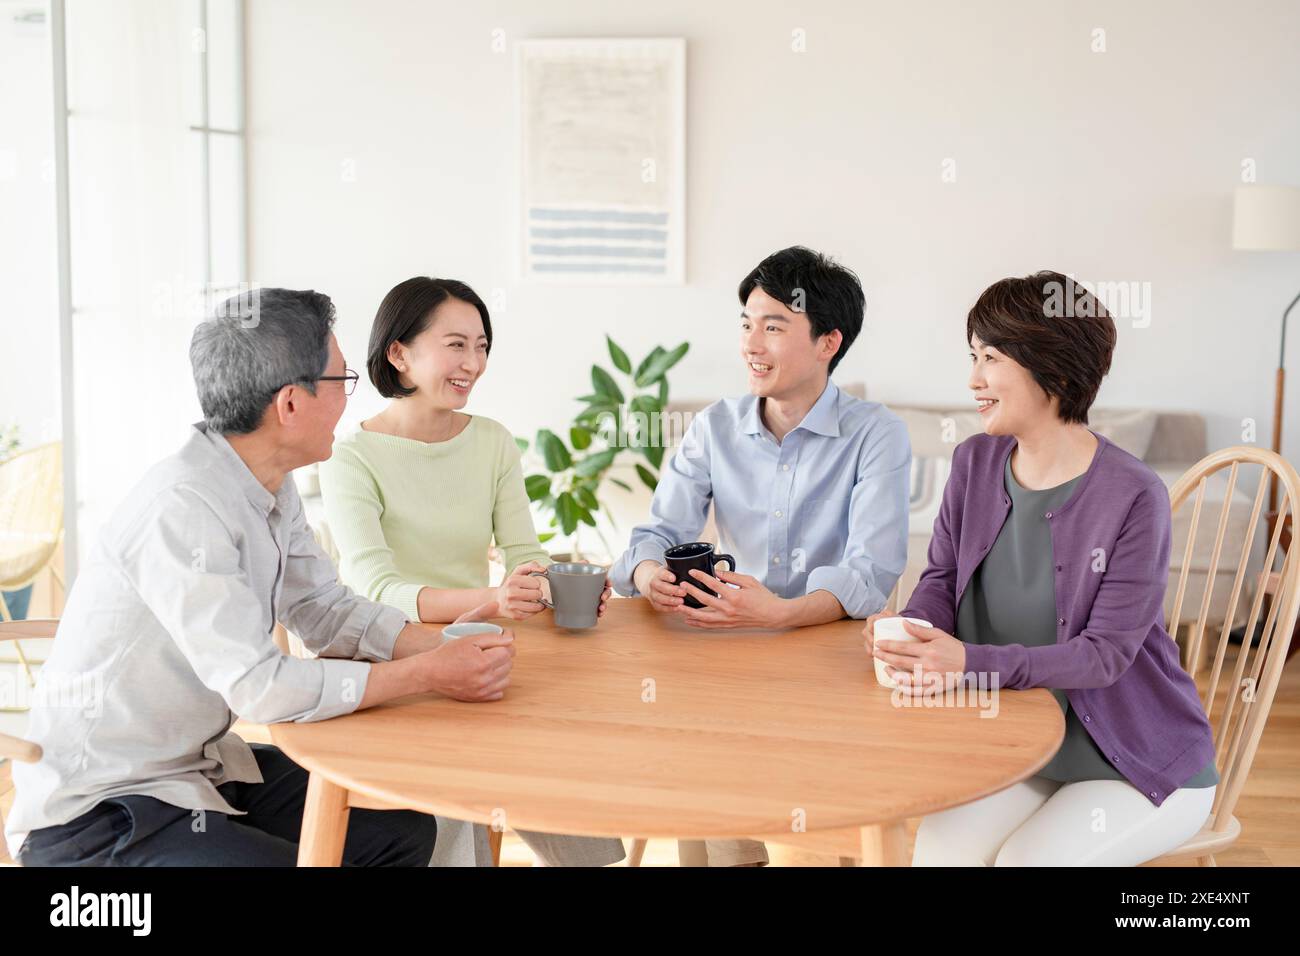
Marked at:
<point>169,630</point>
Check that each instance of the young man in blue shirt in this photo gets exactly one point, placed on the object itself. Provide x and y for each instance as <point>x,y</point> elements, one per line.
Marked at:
<point>809,485</point>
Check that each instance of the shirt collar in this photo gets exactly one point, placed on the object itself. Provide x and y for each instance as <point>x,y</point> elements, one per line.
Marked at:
<point>229,459</point>
<point>822,418</point>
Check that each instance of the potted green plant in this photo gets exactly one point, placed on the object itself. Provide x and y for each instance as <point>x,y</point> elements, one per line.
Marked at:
<point>618,419</point>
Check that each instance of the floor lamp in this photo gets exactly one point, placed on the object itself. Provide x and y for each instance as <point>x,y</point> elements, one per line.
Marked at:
<point>1267,219</point>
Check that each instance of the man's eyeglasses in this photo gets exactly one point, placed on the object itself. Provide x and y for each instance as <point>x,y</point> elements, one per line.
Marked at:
<point>349,379</point>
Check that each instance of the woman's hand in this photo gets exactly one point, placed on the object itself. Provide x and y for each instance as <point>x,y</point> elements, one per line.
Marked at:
<point>934,652</point>
<point>604,596</point>
<point>869,628</point>
<point>520,595</point>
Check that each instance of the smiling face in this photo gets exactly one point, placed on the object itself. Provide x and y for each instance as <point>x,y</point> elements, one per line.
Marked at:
<point>310,419</point>
<point>1010,401</point>
<point>445,360</point>
<point>778,347</point>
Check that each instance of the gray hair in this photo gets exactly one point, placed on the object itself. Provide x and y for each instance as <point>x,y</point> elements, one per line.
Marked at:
<point>253,345</point>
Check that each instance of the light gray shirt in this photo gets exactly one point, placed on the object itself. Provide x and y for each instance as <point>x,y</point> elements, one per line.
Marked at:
<point>167,638</point>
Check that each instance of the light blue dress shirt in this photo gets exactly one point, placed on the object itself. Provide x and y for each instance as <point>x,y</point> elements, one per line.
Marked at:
<point>823,509</point>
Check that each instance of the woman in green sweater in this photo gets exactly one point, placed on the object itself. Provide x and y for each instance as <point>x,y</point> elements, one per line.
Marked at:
<point>415,496</point>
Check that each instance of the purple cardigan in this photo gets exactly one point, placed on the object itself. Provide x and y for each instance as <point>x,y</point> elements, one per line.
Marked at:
<point>1113,657</point>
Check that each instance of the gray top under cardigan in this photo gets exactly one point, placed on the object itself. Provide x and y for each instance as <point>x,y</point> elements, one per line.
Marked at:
<point>1012,600</point>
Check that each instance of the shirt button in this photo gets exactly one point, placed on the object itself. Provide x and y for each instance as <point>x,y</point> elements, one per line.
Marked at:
<point>1049,514</point>
<point>1153,794</point>
<point>776,559</point>
<point>1087,718</point>
<point>1060,620</point>
<point>777,513</point>
<point>1115,758</point>
<point>785,467</point>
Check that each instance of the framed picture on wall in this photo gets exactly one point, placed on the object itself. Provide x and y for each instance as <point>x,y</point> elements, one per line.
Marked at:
<point>602,160</point>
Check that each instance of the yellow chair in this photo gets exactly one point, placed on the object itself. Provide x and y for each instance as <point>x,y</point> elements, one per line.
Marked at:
<point>31,523</point>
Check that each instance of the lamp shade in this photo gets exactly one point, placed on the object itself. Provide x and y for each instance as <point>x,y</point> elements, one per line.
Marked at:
<point>1266,218</point>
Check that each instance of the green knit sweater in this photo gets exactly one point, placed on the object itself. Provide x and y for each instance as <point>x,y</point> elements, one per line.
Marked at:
<point>408,514</point>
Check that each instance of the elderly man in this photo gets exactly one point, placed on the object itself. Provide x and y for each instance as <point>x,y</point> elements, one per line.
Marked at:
<point>169,629</point>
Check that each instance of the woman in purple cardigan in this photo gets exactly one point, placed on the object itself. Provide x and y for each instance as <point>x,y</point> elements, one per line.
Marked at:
<point>1048,568</point>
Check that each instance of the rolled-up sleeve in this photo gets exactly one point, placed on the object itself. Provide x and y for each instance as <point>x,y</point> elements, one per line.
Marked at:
<point>679,510</point>
<point>184,563</point>
<point>875,554</point>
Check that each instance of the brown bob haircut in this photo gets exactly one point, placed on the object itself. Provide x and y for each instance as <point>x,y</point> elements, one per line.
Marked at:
<point>1056,329</point>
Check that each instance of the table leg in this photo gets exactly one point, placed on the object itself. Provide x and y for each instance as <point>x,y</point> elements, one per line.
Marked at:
<point>885,844</point>
<point>324,823</point>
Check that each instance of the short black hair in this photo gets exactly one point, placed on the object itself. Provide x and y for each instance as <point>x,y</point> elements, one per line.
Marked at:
<point>1053,326</point>
<point>403,315</point>
<point>807,281</point>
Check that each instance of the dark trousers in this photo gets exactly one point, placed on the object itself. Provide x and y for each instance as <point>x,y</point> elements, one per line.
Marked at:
<point>137,830</point>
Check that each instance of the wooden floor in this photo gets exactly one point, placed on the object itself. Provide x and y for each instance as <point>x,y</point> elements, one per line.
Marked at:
<point>1269,808</point>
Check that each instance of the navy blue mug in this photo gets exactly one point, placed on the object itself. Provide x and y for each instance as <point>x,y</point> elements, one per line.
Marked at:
<point>696,555</point>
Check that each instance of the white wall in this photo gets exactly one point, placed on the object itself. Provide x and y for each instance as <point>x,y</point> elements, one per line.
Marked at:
<point>1115,166</point>
<point>29,321</point>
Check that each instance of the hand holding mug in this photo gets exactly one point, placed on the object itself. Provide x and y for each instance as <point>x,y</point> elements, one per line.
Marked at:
<point>659,585</point>
<point>520,595</point>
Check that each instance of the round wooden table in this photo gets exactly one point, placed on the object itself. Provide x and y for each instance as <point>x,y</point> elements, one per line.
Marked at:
<point>646,727</point>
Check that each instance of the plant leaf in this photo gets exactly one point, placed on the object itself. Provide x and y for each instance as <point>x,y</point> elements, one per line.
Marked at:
<point>654,454</point>
<point>567,511</point>
<point>640,377</point>
<point>619,357</point>
<point>545,537</point>
<point>647,477</point>
<point>605,385</point>
<point>522,443</point>
<point>553,451</point>
<point>585,498</point>
<point>579,437</point>
<point>596,463</point>
<point>537,486</point>
<point>622,484</point>
<point>661,363</point>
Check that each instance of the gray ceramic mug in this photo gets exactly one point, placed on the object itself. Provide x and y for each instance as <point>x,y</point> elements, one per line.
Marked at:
<point>575,593</point>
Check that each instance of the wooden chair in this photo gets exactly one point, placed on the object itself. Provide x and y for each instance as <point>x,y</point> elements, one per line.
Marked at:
<point>1248,693</point>
<point>16,748</point>
<point>31,524</point>
<point>1239,718</point>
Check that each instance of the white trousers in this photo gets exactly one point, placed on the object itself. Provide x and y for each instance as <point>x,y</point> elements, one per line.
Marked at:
<point>1045,823</point>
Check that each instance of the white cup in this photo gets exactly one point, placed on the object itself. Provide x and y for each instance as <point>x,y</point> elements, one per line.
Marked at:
<point>469,629</point>
<point>891,629</point>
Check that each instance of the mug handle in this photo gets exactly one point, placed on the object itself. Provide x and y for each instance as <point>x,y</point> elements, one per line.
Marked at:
<point>542,600</point>
<point>731,562</point>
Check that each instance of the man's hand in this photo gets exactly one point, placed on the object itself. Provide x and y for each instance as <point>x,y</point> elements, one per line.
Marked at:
<point>473,668</point>
<point>520,595</point>
<point>748,604</point>
<point>657,583</point>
